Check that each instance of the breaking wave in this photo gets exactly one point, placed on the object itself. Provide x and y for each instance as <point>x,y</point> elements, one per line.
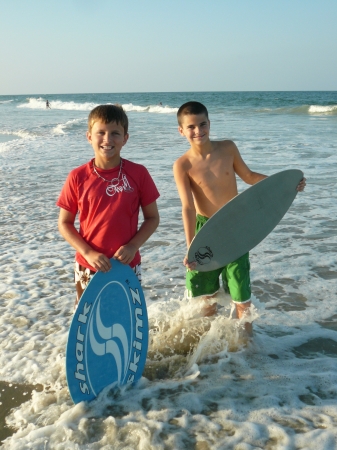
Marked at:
<point>40,103</point>
<point>303,109</point>
<point>24,134</point>
<point>70,124</point>
<point>160,109</point>
<point>317,109</point>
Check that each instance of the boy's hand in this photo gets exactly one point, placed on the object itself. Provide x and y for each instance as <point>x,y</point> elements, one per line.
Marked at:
<point>190,265</point>
<point>125,253</point>
<point>302,185</point>
<point>98,261</point>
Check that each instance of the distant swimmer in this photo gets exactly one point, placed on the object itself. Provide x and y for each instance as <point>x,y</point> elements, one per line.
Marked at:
<point>160,104</point>
<point>48,105</point>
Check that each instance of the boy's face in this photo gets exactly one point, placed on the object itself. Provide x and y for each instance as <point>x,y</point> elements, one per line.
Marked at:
<point>195,128</point>
<point>107,140</point>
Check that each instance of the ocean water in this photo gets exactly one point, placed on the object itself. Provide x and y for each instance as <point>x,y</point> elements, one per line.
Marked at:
<point>204,387</point>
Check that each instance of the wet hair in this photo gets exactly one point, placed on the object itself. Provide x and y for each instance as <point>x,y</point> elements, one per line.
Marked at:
<point>191,108</point>
<point>107,114</point>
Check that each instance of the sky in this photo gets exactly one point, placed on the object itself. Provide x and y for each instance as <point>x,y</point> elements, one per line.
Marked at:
<point>81,46</point>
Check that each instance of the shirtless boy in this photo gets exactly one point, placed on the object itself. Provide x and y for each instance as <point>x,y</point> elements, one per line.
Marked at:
<point>205,179</point>
<point>107,192</point>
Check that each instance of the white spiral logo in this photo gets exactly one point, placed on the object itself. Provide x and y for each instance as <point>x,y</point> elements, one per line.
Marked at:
<point>110,335</point>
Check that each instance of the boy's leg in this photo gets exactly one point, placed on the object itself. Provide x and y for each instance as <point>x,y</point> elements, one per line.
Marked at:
<point>138,272</point>
<point>210,309</point>
<point>203,285</point>
<point>241,310</point>
<point>236,281</point>
<point>83,275</point>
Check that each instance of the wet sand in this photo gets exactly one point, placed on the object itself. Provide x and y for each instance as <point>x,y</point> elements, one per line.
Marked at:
<point>11,396</point>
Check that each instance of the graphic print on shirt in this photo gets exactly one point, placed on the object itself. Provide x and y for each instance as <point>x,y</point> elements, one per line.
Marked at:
<point>122,185</point>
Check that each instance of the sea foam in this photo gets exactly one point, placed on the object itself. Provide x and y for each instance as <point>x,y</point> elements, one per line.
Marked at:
<point>331,109</point>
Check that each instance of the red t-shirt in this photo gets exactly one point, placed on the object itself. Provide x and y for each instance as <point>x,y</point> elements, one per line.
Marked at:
<point>107,220</point>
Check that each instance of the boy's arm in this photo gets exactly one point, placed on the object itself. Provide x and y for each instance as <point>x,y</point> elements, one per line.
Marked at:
<point>71,235</point>
<point>126,253</point>
<point>243,171</point>
<point>187,203</point>
<point>251,177</point>
<point>188,207</point>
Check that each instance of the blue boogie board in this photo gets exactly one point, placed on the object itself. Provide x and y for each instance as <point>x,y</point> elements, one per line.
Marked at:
<point>109,334</point>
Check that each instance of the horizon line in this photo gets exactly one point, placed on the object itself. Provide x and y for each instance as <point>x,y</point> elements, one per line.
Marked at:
<point>169,92</point>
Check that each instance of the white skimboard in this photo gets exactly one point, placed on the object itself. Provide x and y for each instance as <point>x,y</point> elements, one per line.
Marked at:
<point>108,336</point>
<point>244,222</point>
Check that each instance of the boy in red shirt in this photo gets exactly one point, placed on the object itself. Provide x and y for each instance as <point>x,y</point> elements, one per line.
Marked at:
<point>107,192</point>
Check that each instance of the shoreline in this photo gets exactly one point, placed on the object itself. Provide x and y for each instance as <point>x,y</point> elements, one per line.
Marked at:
<point>13,395</point>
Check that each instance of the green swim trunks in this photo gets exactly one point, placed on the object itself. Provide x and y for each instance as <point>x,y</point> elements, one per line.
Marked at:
<point>235,277</point>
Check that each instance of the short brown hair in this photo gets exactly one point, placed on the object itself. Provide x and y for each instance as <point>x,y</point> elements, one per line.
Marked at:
<point>107,114</point>
<point>191,108</point>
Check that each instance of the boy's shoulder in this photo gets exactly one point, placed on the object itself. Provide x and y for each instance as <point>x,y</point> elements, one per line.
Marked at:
<point>132,164</point>
<point>81,171</point>
<point>134,169</point>
<point>225,144</point>
<point>217,146</point>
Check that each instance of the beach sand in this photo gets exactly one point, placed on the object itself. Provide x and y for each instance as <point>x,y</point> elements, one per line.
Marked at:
<point>11,396</point>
